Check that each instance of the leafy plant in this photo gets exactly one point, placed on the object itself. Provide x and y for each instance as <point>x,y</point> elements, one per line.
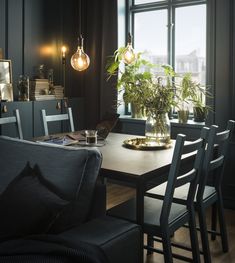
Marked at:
<point>185,91</point>
<point>192,91</point>
<point>159,97</point>
<point>134,79</point>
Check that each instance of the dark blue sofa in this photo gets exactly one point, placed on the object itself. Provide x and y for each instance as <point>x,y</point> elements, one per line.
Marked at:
<point>77,229</point>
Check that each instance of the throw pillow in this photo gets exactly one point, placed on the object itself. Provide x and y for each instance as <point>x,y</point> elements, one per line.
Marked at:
<point>28,206</point>
<point>70,216</point>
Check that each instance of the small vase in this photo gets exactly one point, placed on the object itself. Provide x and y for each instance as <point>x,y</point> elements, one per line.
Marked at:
<point>199,114</point>
<point>158,128</point>
<point>137,112</point>
<point>183,116</point>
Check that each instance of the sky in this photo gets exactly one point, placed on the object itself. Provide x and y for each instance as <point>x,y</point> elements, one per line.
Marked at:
<point>190,27</point>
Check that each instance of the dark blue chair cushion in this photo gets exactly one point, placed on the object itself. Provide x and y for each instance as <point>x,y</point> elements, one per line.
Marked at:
<point>27,205</point>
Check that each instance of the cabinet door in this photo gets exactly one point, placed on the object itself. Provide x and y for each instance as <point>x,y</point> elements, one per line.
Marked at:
<point>77,105</point>
<point>25,109</point>
<point>52,107</point>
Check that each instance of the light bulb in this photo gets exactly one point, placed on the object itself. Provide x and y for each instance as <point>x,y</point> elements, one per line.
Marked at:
<point>63,51</point>
<point>129,55</point>
<point>80,60</point>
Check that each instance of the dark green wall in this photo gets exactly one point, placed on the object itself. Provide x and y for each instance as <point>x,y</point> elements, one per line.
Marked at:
<point>32,33</point>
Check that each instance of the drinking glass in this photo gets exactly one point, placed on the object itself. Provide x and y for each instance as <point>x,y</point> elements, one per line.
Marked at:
<point>91,136</point>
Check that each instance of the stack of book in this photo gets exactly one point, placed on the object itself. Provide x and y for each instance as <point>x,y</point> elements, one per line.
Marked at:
<point>39,90</point>
<point>59,92</point>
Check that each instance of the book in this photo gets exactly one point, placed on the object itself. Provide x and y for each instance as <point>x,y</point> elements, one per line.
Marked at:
<point>64,141</point>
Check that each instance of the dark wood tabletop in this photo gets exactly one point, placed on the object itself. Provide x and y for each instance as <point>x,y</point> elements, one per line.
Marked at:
<point>122,163</point>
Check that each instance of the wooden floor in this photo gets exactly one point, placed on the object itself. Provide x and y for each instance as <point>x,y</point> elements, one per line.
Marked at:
<point>117,194</point>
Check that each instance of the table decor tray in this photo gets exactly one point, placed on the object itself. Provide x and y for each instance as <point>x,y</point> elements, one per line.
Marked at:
<point>145,144</point>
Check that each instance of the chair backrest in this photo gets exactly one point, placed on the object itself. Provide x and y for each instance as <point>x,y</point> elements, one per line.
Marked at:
<point>57,117</point>
<point>14,119</point>
<point>179,176</point>
<point>215,156</point>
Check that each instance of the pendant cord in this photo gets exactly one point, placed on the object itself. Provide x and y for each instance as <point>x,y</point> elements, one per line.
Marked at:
<point>80,18</point>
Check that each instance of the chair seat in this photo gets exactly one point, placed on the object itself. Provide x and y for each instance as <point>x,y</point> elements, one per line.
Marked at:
<point>181,192</point>
<point>152,211</point>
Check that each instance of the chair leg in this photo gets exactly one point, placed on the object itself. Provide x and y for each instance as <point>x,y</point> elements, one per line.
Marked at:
<point>204,236</point>
<point>150,243</point>
<point>193,237</point>
<point>166,243</point>
<point>213,220</point>
<point>223,230</point>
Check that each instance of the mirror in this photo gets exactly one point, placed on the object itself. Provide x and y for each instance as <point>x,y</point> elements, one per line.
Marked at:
<point>5,71</point>
<point>6,92</point>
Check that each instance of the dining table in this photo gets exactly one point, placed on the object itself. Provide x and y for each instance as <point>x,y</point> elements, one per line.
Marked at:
<point>136,168</point>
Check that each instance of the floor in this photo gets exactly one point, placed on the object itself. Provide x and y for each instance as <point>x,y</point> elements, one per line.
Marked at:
<point>117,194</point>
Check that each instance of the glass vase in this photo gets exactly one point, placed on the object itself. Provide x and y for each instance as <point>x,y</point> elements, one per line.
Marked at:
<point>23,88</point>
<point>158,128</point>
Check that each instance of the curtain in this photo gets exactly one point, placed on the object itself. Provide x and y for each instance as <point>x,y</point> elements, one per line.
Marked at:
<point>100,42</point>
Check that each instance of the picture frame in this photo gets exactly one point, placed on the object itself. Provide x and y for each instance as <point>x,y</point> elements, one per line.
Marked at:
<point>5,71</point>
<point>6,87</point>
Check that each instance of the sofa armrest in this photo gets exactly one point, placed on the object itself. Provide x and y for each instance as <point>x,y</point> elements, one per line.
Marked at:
<point>98,203</point>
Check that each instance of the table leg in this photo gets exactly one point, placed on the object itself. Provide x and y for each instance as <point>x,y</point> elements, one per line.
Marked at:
<point>140,188</point>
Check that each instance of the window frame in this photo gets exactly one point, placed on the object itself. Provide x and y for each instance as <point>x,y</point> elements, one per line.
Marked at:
<point>170,6</point>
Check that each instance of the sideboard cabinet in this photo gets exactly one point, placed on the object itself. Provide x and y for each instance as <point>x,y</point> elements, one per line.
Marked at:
<point>30,113</point>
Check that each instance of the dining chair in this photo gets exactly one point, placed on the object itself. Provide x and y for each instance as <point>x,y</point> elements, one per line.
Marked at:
<point>163,217</point>
<point>208,195</point>
<point>58,117</point>
<point>14,119</point>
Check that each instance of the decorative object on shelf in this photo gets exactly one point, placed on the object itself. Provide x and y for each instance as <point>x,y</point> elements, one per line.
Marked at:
<point>39,90</point>
<point>5,71</point>
<point>129,54</point>
<point>80,60</point>
<point>6,89</point>
<point>40,72</point>
<point>6,92</point>
<point>59,91</point>
<point>145,144</point>
<point>23,88</point>
<point>50,77</point>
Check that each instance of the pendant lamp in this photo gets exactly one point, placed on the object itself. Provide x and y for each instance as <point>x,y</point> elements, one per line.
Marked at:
<point>129,54</point>
<point>80,60</point>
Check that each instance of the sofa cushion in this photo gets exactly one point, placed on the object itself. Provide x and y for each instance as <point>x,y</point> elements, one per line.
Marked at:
<point>27,205</point>
<point>119,239</point>
<point>72,171</point>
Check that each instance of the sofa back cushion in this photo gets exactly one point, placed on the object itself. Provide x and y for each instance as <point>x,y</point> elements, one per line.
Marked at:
<point>72,171</point>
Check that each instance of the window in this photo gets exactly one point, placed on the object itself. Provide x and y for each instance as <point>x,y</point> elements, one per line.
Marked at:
<point>172,32</point>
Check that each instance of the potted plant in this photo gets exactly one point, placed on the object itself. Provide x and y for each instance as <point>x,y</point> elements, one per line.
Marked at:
<point>185,92</point>
<point>200,109</point>
<point>158,100</point>
<point>133,79</point>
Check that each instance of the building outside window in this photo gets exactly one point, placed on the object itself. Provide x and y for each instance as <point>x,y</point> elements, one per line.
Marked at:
<point>170,32</point>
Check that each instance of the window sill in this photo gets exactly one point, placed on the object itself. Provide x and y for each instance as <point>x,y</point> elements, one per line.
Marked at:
<point>174,122</point>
